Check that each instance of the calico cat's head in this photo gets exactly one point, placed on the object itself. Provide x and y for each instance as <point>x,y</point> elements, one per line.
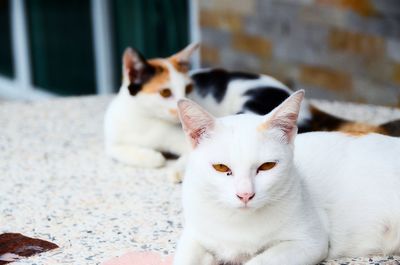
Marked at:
<point>241,161</point>
<point>157,84</point>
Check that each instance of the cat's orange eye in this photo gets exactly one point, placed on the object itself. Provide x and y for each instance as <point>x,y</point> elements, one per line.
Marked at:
<point>266,166</point>
<point>166,93</point>
<point>222,168</point>
<point>189,88</point>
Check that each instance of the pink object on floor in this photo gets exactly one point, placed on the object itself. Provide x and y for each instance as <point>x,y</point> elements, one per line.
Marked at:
<point>140,258</point>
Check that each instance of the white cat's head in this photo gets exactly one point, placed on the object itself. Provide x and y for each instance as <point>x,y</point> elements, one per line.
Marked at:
<point>157,84</point>
<point>242,161</point>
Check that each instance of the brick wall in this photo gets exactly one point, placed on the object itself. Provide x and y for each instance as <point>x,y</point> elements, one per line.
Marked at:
<point>335,49</point>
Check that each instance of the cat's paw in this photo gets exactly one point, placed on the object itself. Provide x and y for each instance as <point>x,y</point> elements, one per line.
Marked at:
<point>155,160</point>
<point>265,261</point>
<point>177,171</point>
<point>136,156</point>
<point>175,175</point>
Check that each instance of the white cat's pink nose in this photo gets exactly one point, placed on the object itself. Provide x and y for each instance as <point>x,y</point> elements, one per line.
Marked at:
<point>245,197</point>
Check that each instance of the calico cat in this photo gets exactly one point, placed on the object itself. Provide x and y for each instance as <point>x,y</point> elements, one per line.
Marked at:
<point>257,194</point>
<point>141,122</point>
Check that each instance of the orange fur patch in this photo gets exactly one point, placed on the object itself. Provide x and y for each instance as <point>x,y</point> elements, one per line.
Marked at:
<point>160,79</point>
<point>359,129</point>
<point>179,66</point>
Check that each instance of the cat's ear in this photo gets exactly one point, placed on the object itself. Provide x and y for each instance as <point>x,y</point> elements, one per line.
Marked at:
<point>284,117</point>
<point>196,121</point>
<point>136,70</point>
<point>182,58</point>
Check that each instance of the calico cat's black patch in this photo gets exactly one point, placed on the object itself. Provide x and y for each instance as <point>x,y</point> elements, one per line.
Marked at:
<point>392,128</point>
<point>134,88</point>
<point>321,121</point>
<point>139,76</point>
<point>305,126</point>
<point>215,82</point>
<point>262,100</point>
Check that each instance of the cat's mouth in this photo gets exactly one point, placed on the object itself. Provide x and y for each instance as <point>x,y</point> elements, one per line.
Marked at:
<point>245,207</point>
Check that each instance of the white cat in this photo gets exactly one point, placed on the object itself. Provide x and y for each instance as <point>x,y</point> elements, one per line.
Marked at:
<point>256,194</point>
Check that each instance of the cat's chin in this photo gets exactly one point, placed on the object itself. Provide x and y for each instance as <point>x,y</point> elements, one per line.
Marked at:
<point>246,207</point>
<point>250,207</point>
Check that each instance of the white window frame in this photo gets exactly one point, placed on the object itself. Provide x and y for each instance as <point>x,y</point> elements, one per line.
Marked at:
<point>103,46</point>
<point>195,36</point>
<point>20,87</point>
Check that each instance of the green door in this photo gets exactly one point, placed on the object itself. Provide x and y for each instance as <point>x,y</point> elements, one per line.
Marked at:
<point>6,61</point>
<point>60,34</point>
<point>157,28</point>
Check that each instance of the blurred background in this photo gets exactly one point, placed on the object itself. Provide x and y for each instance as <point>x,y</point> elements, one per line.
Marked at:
<point>335,49</point>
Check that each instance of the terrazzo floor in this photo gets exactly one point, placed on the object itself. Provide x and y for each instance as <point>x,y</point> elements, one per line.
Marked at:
<point>57,184</point>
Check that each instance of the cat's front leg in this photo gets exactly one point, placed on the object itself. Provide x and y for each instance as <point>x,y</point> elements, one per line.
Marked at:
<point>177,170</point>
<point>190,251</point>
<point>292,253</point>
<point>135,155</point>
<point>177,145</point>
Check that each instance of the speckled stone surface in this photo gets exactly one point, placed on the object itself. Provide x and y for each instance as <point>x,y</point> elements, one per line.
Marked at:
<point>57,184</point>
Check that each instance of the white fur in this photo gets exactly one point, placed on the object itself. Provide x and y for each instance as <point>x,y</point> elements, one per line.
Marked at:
<point>326,189</point>
<point>355,181</point>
